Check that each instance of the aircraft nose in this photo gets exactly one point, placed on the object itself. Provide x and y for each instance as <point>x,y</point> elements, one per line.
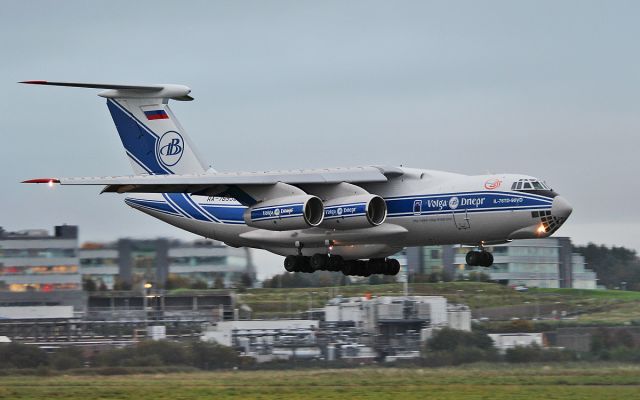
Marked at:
<point>561,207</point>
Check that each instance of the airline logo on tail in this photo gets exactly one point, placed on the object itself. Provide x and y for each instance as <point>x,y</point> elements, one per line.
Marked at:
<point>170,148</point>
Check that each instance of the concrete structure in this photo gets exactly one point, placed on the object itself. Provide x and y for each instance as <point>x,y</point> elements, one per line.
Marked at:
<point>459,317</point>
<point>370,313</point>
<point>206,306</point>
<point>357,329</point>
<point>133,261</point>
<point>506,341</point>
<point>36,312</point>
<point>548,262</point>
<point>36,261</point>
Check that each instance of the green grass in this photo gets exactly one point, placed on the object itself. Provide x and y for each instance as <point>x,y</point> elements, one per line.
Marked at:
<point>486,381</point>
<point>590,306</point>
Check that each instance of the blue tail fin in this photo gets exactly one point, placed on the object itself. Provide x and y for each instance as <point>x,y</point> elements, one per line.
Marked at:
<point>153,138</point>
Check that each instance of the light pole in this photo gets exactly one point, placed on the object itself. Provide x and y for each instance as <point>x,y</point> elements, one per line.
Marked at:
<point>145,301</point>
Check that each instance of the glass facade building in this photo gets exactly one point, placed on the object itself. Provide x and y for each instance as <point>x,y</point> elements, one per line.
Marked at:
<point>36,261</point>
<point>547,263</point>
<point>135,261</point>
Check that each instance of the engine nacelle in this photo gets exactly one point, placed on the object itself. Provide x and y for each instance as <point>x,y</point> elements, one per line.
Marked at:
<point>353,212</point>
<point>286,213</point>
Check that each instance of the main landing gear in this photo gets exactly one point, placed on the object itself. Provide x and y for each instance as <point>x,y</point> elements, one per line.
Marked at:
<point>479,258</point>
<point>325,262</point>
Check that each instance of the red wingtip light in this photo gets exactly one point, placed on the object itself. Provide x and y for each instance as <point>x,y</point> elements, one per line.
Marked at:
<point>34,82</point>
<point>50,181</point>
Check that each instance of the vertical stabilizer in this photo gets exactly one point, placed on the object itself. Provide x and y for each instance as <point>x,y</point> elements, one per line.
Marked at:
<point>153,139</point>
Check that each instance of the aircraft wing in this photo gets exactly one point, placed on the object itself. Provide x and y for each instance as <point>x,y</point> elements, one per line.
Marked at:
<point>213,183</point>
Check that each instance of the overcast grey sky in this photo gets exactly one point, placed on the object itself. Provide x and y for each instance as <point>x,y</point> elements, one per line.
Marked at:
<point>546,88</point>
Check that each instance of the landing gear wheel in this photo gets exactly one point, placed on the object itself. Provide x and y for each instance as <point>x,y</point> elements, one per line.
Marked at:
<point>479,258</point>
<point>473,258</point>
<point>392,266</point>
<point>487,259</point>
<point>319,261</point>
<point>335,263</point>
<point>303,264</point>
<point>290,263</point>
<point>349,268</point>
<point>376,266</point>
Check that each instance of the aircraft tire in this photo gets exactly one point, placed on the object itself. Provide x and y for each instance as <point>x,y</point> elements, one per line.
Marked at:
<point>319,262</point>
<point>335,263</point>
<point>473,258</point>
<point>377,266</point>
<point>349,268</point>
<point>393,266</point>
<point>487,259</point>
<point>302,264</point>
<point>290,263</point>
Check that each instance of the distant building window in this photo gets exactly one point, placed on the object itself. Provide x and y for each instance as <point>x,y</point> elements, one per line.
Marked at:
<point>435,254</point>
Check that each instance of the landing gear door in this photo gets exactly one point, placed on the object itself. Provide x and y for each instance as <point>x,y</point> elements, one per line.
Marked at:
<point>460,216</point>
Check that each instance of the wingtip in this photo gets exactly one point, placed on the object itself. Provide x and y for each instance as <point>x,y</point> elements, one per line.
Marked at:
<point>42,180</point>
<point>34,82</point>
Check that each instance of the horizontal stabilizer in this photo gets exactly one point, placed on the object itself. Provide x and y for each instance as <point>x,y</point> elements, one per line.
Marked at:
<point>175,92</point>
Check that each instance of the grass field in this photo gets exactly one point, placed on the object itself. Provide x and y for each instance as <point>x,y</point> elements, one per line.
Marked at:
<point>490,381</point>
<point>593,306</point>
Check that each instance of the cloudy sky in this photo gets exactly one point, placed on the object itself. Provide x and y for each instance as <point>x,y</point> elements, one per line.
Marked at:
<point>546,88</point>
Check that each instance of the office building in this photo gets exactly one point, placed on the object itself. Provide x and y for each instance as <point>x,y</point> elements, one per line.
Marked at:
<point>547,263</point>
<point>37,261</point>
<point>136,261</point>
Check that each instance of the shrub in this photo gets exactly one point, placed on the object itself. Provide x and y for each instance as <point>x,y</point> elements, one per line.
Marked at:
<point>16,355</point>
<point>212,356</point>
<point>448,339</point>
<point>66,358</point>
<point>534,353</point>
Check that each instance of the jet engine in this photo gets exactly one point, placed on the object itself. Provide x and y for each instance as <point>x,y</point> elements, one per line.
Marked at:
<point>353,212</point>
<point>286,213</point>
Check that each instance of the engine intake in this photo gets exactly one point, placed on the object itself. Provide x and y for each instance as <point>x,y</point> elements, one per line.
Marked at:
<point>286,213</point>
<point>353,212</point>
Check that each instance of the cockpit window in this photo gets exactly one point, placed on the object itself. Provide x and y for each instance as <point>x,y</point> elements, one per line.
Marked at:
<point>529,184</point>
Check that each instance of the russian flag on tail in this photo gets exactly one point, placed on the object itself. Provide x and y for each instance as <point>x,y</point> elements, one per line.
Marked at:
<point>156,114</point>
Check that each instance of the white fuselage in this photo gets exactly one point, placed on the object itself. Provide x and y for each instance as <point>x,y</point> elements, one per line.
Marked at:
<point>424,207</point>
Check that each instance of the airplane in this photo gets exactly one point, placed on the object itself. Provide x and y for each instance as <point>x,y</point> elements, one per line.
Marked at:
<point>337,219</point>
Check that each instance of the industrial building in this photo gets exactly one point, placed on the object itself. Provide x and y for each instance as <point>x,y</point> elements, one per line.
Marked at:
<point>547,263</point>
<point>355,328</point>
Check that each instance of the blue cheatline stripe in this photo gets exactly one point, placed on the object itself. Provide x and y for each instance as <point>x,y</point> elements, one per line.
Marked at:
<point>183,205</point>
<point>157,207</point>
<point>204,212</point>
<point>174,205</point>
<point>476,193</point>
<point>155,210</point>
<point>178,201</point>
<point>229,214</point>
<point>137,138</point>
<point>470,211</point>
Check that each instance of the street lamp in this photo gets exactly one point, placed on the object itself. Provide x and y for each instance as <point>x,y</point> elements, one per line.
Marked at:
<point>145,301</point>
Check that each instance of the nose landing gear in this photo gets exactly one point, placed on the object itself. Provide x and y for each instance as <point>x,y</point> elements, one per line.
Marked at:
<point>481,258</point>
